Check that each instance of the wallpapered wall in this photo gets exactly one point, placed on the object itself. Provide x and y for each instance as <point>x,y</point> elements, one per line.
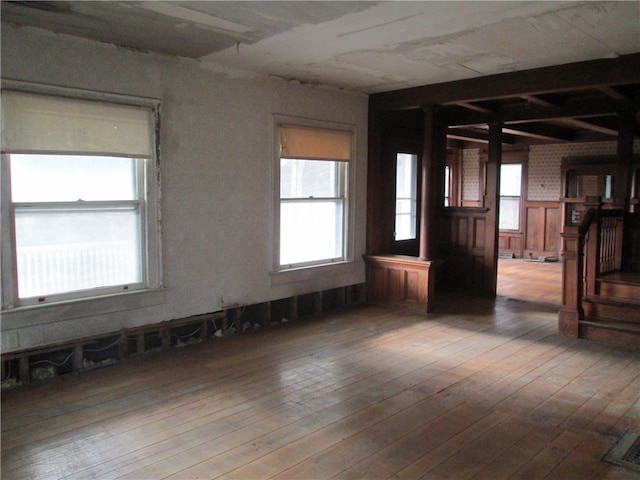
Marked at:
<point>545,183</point>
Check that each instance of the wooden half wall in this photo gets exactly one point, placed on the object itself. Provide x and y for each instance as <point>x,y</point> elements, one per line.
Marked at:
<point>462,240</point>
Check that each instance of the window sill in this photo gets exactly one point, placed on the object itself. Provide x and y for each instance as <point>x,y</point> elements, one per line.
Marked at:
<point>301,274</point>
<point>85,307</point>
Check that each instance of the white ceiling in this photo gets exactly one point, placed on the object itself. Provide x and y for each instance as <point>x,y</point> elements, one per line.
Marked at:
<point>364,46</point>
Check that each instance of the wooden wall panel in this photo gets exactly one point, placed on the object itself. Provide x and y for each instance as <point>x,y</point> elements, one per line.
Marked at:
<point>510,242</point>
<point>479,230</point>
<point>400,281</point>
<point>395,284</point>
<point>462,247</point>
<point>542,227</point>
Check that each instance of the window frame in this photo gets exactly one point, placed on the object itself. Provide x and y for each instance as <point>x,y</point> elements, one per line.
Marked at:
<point>311,269</point>
<point>520,197</point>
<point>148,199</point>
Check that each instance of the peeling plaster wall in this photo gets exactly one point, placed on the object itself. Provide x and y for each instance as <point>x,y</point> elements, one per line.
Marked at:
<point>217,160</point>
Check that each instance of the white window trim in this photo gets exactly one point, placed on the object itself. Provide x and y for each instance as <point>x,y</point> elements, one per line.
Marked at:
<point>150,211</point>
<point>282,275</point>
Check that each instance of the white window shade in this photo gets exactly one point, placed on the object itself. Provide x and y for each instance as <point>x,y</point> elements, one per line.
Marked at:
<point>34,123</point>
<point>314,144</point>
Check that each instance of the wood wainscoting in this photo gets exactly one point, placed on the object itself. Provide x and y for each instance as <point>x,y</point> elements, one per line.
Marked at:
<point>462,240</point>
<point>539,235</point>
<point>401,281</point>
<point>542,228</point>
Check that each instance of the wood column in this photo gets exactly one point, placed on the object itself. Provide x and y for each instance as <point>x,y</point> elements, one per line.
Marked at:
<point>432,192</point>
<point>491,201</point>
<point>375,187</point>
<point>626,131</point>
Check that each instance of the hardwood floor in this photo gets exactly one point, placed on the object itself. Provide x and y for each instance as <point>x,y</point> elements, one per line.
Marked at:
<point>477,390</point>
<point>530,281</point>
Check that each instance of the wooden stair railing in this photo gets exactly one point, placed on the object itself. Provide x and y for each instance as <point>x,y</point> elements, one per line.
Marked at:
<point>603,246</point>
<point>590,249</point>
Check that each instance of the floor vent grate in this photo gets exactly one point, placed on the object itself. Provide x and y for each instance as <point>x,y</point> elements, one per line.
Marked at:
<point>626,452</point>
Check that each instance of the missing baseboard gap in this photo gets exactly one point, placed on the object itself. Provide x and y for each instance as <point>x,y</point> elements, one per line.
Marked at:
<point>626,452</point>
<point>85,354</point>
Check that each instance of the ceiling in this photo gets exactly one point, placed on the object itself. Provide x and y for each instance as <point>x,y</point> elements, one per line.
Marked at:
<point>368,47</point>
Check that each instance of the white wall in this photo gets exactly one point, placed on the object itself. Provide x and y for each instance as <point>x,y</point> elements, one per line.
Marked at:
<point>217,160</point>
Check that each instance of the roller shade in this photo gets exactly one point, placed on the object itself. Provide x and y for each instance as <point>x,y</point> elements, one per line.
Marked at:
<point>35,123</point>
<point>314,144</point>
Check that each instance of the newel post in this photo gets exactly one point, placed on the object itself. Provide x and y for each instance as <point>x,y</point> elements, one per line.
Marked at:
<point>572,271</point>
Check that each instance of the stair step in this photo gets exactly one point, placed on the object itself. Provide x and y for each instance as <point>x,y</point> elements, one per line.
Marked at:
<point>624,285</point>
<point>614,309</point>
<point>620,333</point>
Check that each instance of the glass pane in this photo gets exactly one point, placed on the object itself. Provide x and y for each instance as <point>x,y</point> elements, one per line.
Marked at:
<point>406,188</point>
<point>309,178</point>
<point>404,206</point>
<point>510,179</point>
<point>62,251</point>
<point>405,227</point>
<point>311,231</point>
<point>446,185</point>
<point>509,213</point>
<point>68,178</point>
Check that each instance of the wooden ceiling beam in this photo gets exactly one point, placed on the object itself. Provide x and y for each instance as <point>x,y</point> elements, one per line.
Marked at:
<point>536,113</point>
<point>476,137</point>
<point>613,93</point>
<point>562,78</point>
<point>541,132</point>
<point>573,122</point>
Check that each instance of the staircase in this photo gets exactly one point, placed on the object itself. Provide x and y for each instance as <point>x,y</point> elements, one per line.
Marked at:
<point>612,312</point>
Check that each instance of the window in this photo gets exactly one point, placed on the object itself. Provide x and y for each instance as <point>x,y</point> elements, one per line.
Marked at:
<point>510,191</point>
<point>312,213</point>
<point>406,196</point>
<point>79,198</point>
<point>447,186</point>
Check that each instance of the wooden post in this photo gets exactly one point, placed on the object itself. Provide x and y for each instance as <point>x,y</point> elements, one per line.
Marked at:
<point>491,201</point>
<point>375,185</point>
<point>293,308</point>
<point>622,187</point>
<point>25,374</point>
<point>432,192</point>
<point>572,272</point>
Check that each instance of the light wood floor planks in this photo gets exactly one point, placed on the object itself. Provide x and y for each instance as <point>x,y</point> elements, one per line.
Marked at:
<point>530,281</point>
<point>479,389</point>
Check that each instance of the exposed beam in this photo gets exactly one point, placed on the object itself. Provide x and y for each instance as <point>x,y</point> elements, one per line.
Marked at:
<point>476,137</point>
<point>473,107</point>
<point>536,113</point>
<point>562,78</point>
<point>575,122</point>
<point>613,93</point>
<point>540,132</point>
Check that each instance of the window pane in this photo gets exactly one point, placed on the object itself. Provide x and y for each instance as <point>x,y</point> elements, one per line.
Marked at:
<point>308,178</point>
<point>446,185</point>
<point>62,251</point>
<point>406,197</point>
<point>310,231</point>
<point>404,205</point>
<point>68,178</point>
<point>510,179</point>
<point>509,213</point>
